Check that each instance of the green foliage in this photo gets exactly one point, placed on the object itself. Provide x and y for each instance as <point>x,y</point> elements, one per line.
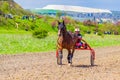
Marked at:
<point>40,33</point>
<point>58,15</point>
<point>10,7</point>
<point>45,22</point>
<point>70,27</point>
<point>4,7</point>
<point>100,34</point>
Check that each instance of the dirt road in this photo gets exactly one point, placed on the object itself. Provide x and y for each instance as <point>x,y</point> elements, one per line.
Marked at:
<point>42,66</point>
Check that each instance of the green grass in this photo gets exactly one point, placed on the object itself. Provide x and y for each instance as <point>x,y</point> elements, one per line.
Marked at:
<point>23,43</point>
<point>14,31</point>
<point>106,40</point>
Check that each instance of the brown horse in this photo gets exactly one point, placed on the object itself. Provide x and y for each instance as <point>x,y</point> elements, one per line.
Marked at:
<point>66,40</point>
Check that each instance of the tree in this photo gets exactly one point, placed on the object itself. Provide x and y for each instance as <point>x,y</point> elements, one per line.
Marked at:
<point>59,14</point>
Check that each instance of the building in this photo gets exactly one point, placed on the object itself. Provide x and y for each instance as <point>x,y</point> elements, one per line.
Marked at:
<point>78,13</point>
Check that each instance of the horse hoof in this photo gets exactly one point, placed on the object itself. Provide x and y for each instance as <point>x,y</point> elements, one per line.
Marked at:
<point>60,65</point>
<point>69,64</point>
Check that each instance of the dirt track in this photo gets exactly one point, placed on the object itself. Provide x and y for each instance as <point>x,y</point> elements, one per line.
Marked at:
<point>42,66</point>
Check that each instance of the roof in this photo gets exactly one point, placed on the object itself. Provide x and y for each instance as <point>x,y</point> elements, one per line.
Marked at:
<point>76,9</point>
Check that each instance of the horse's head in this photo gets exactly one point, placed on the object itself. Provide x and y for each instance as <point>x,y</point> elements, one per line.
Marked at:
<point>61,28</point>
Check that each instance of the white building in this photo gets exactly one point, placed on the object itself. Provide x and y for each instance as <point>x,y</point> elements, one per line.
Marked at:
<point>76,9</point>
<point>77,12</point>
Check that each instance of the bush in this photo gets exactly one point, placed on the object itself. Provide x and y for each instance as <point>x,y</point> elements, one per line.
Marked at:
<point>100,33</point>
<point>40,33</point>
<point>54,24</point>
<point>90,23</point>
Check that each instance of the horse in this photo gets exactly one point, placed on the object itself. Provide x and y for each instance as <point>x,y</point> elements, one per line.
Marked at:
<point>65,40</point>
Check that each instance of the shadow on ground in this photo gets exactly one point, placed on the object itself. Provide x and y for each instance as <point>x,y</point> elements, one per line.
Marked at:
<point>84,66</point>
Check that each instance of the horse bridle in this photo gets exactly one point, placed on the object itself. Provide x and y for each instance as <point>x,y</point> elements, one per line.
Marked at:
<point>61,27</point>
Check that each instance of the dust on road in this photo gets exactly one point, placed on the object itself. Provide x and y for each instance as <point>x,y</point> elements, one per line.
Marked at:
<point>42,66</point>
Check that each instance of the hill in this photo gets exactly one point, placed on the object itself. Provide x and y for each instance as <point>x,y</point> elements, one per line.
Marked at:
<point>11,15</point>
<point>11,7</point>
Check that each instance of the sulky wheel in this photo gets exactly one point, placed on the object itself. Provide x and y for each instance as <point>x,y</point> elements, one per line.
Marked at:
<point>92,57</point>
<point>59,58</point>
<point>92,60</point>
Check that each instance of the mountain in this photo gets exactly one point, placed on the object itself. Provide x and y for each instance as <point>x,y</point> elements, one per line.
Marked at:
<point>11,7</point>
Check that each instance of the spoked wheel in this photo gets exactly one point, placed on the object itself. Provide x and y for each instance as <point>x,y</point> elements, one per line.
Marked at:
<point>92,60</point>
<point>92,57</point>
<point>59,58</point>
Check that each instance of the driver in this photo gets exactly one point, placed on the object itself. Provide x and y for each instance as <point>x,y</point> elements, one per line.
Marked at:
<point>78,43</point>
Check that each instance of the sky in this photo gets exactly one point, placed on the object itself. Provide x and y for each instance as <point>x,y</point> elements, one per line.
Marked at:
<point>100,4</point>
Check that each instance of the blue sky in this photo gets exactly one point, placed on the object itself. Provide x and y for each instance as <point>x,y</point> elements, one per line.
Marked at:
<point>102,4</point>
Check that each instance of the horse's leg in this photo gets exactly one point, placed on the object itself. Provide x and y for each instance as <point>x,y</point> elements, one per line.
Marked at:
<point>69,57</point>
<point>59,58</point>
<point>73,50</point>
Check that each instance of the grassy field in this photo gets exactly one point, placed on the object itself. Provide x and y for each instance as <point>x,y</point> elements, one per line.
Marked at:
<point>24,42</point>
<point>107,40</point>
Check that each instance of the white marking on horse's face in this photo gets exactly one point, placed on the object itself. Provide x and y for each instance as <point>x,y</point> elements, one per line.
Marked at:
<point>60,27</point>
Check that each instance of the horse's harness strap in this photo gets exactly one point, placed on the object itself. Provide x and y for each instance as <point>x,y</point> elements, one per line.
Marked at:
<point>59,46</point>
